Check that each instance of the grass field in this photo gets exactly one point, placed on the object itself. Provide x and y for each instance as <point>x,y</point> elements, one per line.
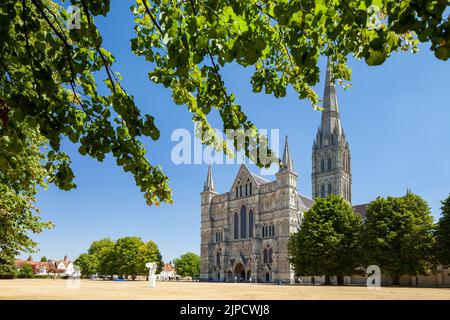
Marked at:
<point>90,289</point>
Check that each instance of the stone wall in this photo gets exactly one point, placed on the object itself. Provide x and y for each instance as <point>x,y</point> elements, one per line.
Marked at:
<point>441,278</point>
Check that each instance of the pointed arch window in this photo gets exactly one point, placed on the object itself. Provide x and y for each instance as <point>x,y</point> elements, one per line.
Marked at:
<point>265,255</point>
<point>240,191</point>
<point>322,165</point>
<point>243,222</point>
<point>322,190</point>
<point>246,189</point>
<point>330,189</point>
<point>250,188</point>
<point>329,164</point>
<point>236,226</point>
<point>237,194</point>
<point>250,224</point>
<point>270,256</point>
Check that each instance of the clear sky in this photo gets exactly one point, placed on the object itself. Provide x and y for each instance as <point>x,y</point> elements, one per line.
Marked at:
<point>396,118</point>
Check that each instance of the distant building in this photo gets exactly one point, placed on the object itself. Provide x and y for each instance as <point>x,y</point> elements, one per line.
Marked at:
<point>63,267</point>
<point>168,272</point>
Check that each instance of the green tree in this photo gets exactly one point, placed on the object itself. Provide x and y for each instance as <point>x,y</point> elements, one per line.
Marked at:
<point>26,271</point>
<point>7,268</point>
<point>104,252</point>
<point>44,259</point>
<point>22,174</point>
<point>327,243</point>
<point>398,236</point>
<point>188,265</point>
<point>149,252</point>
<point>88,264</point>
<point>128,254</point>
<point>443,234</point>
<point>49,78</point>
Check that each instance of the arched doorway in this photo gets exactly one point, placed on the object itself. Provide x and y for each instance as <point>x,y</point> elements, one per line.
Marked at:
<point>239,272</point>
<point>230,276</point>
<point>267,277</point>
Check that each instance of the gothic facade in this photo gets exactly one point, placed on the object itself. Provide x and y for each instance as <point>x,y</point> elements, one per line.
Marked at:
<point>245,232</point>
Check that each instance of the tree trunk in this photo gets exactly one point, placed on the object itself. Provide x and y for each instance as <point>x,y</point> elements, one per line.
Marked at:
<point>340,280</point>
<point>396,280</point>
<point>327,280</point>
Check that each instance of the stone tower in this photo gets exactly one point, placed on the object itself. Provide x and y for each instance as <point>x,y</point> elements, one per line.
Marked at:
<point>287,180</point>
<point>209,191</point>
<point>331,172</point>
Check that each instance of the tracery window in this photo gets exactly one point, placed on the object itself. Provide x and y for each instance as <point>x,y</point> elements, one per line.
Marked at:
<point>243,222</point>
<point>236,226</point>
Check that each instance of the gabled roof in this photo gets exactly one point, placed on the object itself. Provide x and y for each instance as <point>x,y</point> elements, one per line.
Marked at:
<point>51,266</point>
<point>168,267</point>
<point>258,179</point>
<point>307,202</point>
<point>361,209</point>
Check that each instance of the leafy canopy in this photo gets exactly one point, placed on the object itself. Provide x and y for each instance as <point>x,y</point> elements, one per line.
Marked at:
<point>126,256</point>
<point>7,268</point>
<point>443,234</point>
<point>88,263</point>
<point>132,254</point>
<point>104,252</point>
<point>22,173</point>
<point>188,265</point>
<point>26,271</point>
<point>327,242</point>
<point>398,235</point>
<point>48,80</point>
<point>50,74</point>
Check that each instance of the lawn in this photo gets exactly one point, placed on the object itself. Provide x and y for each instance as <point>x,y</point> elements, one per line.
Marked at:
<point>90,289</point>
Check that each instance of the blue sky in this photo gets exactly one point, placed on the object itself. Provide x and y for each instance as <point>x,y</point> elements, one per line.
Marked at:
<point>396,118</point>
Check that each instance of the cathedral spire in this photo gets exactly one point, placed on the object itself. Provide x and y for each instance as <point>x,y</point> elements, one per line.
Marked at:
<point>286,162</point>
<point>209,183</point>
<point>331,122</point>
<point>331,169</point>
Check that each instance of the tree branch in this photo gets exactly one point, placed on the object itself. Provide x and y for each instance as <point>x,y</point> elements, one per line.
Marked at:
<point>27,42</point>
<point>62,37</point>
<point>155,23</point>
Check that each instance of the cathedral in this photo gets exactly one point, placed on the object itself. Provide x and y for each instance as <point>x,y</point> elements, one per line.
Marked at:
<point>245,231</point>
